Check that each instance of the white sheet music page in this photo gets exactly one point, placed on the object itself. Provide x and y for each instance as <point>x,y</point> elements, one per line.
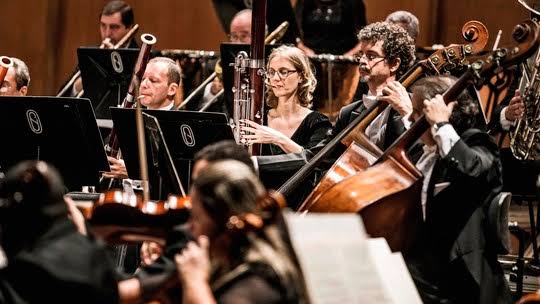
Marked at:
<point>333,253</point>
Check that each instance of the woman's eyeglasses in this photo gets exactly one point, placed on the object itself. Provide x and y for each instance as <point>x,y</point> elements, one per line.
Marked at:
<point>282,73</point>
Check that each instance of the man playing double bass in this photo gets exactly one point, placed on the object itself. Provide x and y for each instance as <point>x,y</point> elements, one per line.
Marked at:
<point>455,258</point>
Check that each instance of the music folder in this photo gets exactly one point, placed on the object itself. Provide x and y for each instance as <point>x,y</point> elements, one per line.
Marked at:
<point>179,134</point>
<point>61,131</point>
<point>106,74</point>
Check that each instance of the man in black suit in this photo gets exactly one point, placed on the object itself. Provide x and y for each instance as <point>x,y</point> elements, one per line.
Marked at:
<point>455,260</point>
<point>386,52</point>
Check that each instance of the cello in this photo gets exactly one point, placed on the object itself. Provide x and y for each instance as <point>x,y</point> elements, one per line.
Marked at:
<point>387,194</point>
<point>358,157</point>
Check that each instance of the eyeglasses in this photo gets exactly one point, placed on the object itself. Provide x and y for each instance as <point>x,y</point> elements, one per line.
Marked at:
<point>239,36</point>
<point>282,73</point>
<point>369,56</point>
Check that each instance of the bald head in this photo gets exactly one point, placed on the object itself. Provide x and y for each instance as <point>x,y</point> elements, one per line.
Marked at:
<point>240,31</point>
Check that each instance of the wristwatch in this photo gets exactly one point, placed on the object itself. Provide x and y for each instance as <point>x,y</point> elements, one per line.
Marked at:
<point>439,125</point>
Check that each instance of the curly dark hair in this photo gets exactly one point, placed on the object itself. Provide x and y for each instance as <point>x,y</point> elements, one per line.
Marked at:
<point>465,112</point>
<point>397,43</point>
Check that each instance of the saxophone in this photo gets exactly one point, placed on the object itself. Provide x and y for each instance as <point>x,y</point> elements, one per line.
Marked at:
<point>524,139</point>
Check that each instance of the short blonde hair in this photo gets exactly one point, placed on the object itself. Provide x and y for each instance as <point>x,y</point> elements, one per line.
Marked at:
<point>305,69</point>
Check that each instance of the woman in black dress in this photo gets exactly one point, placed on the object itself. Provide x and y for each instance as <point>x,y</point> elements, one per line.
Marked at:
<point>290,124</point>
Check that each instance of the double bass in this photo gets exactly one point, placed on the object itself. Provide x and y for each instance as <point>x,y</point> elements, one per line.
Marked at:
<point>387,194</point>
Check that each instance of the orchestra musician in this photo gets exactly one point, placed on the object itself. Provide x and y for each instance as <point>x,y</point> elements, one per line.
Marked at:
<point>454,260</point>
<point>17,79</point>
<point>406,20</point>
<point>160,82</point>
<point>386,52</point>
<point>291,125</point>
<point>115,20</point>
<point>227,186</point>
<point>240,32</point>
<point>48,260</point>
<point>228,266</point>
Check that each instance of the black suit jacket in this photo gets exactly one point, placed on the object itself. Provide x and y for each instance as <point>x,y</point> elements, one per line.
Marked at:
<point>454,259</point>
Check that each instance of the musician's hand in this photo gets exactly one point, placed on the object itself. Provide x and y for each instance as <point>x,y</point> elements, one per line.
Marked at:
<point>395,94</point>
<point>107,44</point>
<point>193,263</point>
<point>516,107</point>
<point>437,111</point>
<point>118,168</point>
<point>76,216</point>
<point>260,134</point>
<point>150,251</point>
<point>217,86</point>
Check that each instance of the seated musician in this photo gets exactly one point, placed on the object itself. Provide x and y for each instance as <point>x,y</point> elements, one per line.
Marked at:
<point>291,125</point>
<point>158,87</point>
<point>386,53</point>
<point>48,260</point>
<point>17,79</point>
<point>115,20</point>
<point>454,261</point>
<point>229,266</point>
<point>406,20</point>
<point>240,32</point>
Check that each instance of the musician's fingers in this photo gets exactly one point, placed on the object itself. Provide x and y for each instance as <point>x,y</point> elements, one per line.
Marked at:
<point>251,123</point>
<point>248,129</point>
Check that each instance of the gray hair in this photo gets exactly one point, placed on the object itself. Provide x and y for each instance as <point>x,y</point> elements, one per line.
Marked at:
<point>22,75</point>
<point>409,20</point>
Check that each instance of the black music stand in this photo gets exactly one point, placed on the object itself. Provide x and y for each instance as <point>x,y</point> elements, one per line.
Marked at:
<point>228,54</point>
<point>60,131</point>
<point>184,134</point>
<point>106,74</point>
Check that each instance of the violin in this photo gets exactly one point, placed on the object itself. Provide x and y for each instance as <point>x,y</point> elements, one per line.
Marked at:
<point>387,194</point>
<point>119,217</point>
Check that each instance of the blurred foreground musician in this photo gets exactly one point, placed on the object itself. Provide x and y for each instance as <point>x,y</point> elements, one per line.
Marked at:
<point>17,79</point>
<point>115,21</point>
<point>455,259</point>
<point>48,260</point>
<point>223,264</point>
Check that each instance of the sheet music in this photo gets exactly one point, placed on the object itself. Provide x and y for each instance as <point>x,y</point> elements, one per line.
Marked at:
<point>336,259</point>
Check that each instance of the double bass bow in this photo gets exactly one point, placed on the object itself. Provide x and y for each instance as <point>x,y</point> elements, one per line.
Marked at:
<point>442,61</point>
<point>387,194</point>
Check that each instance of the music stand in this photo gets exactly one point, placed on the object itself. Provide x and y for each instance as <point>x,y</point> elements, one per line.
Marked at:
<point>60,131</point>
<point>184,133</point>
<point>228,54</point>
<point>106,74</point>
